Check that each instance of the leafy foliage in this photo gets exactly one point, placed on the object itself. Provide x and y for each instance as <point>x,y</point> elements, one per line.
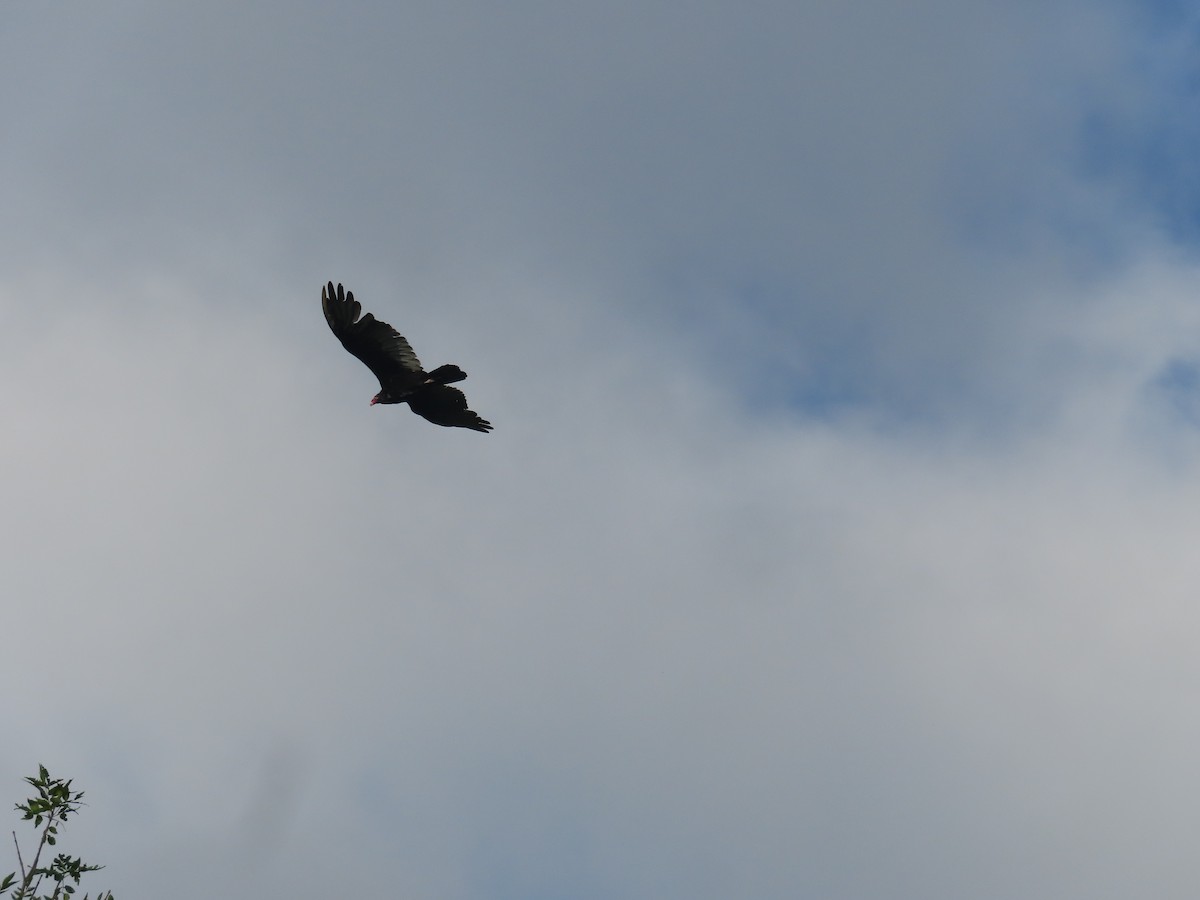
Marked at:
<point>54,804</point>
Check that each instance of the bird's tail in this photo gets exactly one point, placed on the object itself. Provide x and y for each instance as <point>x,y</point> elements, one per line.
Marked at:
<point>447,374</point>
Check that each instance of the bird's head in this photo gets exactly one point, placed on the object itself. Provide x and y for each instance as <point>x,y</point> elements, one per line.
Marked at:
<point>385,397</point>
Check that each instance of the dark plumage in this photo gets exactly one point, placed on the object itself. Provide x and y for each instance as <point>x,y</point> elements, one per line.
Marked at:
<point>401,378</point>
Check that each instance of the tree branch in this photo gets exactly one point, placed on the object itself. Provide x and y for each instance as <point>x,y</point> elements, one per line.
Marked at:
<point>19,860</point>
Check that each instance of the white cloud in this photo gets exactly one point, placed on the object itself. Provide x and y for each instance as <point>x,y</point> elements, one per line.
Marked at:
<point>660,634</point>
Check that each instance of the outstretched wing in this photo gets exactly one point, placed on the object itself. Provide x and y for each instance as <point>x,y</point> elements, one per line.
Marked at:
<point>447,406</point>
<point>383,349</point>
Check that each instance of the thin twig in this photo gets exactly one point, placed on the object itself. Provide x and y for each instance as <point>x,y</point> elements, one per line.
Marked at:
<point>37,856</point>
<point>21,861</point>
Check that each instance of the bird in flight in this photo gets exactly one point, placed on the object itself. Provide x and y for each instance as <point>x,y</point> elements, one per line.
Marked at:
<point>401,379</point>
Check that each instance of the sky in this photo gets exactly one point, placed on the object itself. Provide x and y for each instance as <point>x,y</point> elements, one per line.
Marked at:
<point>836,538</point>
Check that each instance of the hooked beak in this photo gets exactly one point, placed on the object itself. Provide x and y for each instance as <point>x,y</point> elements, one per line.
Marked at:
<point>374,399</point>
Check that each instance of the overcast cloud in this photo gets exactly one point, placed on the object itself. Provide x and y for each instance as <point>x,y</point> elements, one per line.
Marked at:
<point>837,535</point>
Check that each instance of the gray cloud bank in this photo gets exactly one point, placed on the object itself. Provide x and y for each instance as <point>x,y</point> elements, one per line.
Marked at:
<point>834,537</point>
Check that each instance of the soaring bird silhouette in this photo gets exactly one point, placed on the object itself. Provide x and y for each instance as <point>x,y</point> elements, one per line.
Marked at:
<point>401,378</point>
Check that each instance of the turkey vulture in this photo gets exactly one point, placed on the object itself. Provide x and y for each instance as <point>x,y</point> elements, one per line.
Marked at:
<point>389,356</point>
